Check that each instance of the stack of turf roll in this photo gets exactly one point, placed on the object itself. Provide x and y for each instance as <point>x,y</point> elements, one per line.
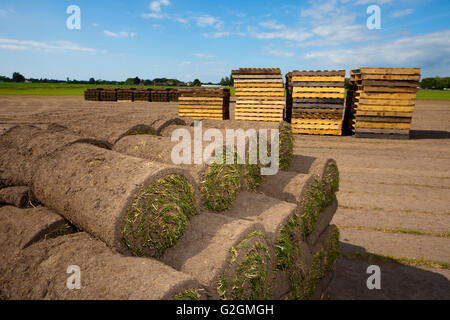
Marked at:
<point>160,95</point>
<point>217,182</point>
<point>142,95</point>
<point>108,94</point>
<point>316,101</point>
<point>51,259</point>
<point>286,139</point>
<point>307,246</point>
<point>202,103</point>
<point>259,94</point>
<point>134,205</point>
<point>92,94</point>
<point>384,101</point>
<point>125,94</point>
<point>173,94</point>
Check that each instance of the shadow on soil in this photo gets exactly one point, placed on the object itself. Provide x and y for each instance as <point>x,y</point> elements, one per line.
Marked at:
<point>398,281</point>
<point>429,134</point>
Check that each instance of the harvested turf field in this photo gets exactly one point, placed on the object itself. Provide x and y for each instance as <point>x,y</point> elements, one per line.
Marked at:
<point>393,195</point>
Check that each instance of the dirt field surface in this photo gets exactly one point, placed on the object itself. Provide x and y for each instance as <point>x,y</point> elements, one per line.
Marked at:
<point>393,202</point>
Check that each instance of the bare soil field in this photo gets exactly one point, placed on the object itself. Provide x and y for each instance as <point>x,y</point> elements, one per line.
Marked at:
<point>393,201</point>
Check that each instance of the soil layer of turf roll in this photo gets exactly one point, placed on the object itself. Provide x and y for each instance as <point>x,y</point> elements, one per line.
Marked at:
<point>230,257</point>
<point>326,252</point>
<point>134,205</point>
<point>218,184</point>
<point>286,138</point>
<point>105,274</point>
<point>20,228</point>
<point>16,196</point>
<point>22,148</point>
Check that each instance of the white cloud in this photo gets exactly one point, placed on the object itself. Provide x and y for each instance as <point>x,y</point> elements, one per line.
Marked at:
<point>153,15</point>
<point>280,32</point>
<point>204,55</point>
<point>155,6</point>
<point>95,25</point>
<point>279,53</point>
<point>122,34</point>
<point>429,51</point>
<point>216,35</point>
<point>5,12</point>
<point>402,13</point>
<point>13,44</point>
<point>184,63</point>
<point>209,21</point>
<point>361,2</point>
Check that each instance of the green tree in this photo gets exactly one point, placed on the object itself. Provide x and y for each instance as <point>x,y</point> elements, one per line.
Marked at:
<point>92,81</point>
<point>17,77</point>
<point>196,83</point>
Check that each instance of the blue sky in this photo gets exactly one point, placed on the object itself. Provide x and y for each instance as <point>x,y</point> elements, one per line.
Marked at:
<point>207,39</point>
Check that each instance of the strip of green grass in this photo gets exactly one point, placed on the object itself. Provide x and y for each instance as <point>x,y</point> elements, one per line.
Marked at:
<point>406,261</point>
<point>433,95</point>
<point>59,89</point>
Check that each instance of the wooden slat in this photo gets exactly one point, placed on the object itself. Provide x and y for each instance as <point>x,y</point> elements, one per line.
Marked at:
<point>364,107</point>
<point>263,106</point>
<point>318,89</point>
<point>386,102</point>
<point>199,99</point>
<point>317,79</point>
<point>318,95</point>
<point>383,125</point>
<point>257,76</point>
<point>385,71</point>
<point>389,89</point>
<point>316,132</point>
<point>272,94</point>
<point>241,90</point>
<point>258,85</point>
<point>388,77</point>
<point>390,96</point>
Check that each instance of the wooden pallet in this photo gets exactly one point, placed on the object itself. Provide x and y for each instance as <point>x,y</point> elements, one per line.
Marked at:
<point>316,132</point>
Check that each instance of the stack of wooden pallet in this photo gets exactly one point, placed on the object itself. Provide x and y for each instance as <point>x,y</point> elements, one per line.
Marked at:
<point>201,103</point>
<point>316,101</point>
<point>259,94</point>
<point>384,101</point>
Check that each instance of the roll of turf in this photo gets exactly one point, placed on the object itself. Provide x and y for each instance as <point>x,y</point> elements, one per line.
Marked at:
<point>103,274</point>
<point>314,192</point>
<point>218,183</point>
<point>22,148</point>
<point>281,222</point>
<point>134,205</point>
<point>286,138</point>
<point>16,196</point>
<point>22,227</point>
<point>231,258</point>
<point>326,252</point>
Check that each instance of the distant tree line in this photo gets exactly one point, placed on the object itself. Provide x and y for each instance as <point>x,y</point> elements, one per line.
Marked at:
<point>17,77</point>
<point>435,83</point>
